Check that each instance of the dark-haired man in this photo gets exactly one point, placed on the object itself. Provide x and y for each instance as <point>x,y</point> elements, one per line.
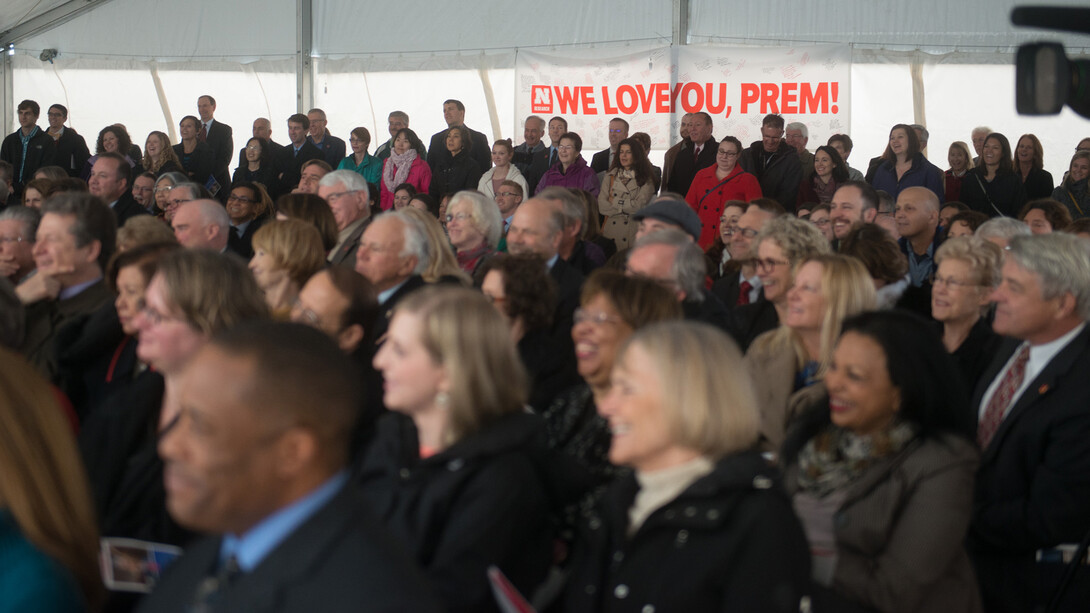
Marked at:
<point>775,163</point>
<point>69,148</point>
<point>454,113</point>
<point>28,148</point>
<point>220,138</point>
<point>697,154</point>
<point>109,181</point>
<point>299,151</point>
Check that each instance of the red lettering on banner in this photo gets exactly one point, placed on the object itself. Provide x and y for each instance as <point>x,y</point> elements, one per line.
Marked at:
<point>769,93</point>
<point>712,107</point>
<point>673,97</point>
<point>586,97</point>
<point>627,106</point>
<point>686,95</point>
<point>662,97</point>
<point>750,93</point>
<point>566,96</point>
<point>789,99</point>
<point>608,108</point>
<point>811,99</point>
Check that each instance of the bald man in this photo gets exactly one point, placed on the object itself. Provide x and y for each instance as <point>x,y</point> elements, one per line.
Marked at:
<point>917,216</point>
<point>202,224</point>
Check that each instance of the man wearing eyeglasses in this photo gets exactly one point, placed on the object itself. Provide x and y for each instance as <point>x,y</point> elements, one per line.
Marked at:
<point>618,131</point>
<point>18,226</point>
<point>347,194</point>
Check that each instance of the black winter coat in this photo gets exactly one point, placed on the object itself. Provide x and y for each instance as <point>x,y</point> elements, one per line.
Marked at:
<point>730,542</point>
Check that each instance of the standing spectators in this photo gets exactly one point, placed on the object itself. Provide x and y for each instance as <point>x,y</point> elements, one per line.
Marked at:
<point>198,159</point>
<point>713,186</point>
<point>28,148</point>
<point>502,170</point>
<point>671,153</point>
<point>618,131</point>
<point>395,122</point>
<point>258,166</point>
<point>797,135</point>
<point>775,163</point>
<point>627,187</point>
<point>361,162</point>
<point>220,140</point>
<point>918,223</point>
<point>476,143</point>
<point>69,148</point>
<point>571,169</point>
<point>960,163</point>
<point>294,155</point>
<point>405,164</point>
<point>332,148</point>
<point>112,139</point>
<point>993,187</point>
<point>1073,192</point>
<point>903,165</point>
<point>1029,161</point>
<point>532,147</point>
<point>696,154</point>
<point>159,156</point>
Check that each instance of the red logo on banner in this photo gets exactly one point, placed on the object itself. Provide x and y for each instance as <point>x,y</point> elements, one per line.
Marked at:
<point>541,99</point>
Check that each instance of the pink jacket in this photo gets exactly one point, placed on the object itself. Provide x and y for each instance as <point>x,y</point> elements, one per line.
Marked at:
<point>419,177</point>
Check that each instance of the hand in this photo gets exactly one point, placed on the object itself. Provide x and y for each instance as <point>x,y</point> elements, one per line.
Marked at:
<point>8,267</point>
<point>38,287</point>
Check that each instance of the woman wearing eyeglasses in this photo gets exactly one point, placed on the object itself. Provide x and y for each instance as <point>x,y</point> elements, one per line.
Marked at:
<point>258,167</point>
<point>713,186</point>
<point>359,161</point>
<point>474,227</point>
<point>968,270</point>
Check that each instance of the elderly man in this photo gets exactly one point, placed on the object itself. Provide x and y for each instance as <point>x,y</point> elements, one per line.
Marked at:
<point>347,194</point>
<point>398,120</point>
<point>978,136</point>
<point>533,130</point>
<point>662,214</point>
<point>202,224</point>
<point>262,129</point>
<point>917,216</point>
<point>75,240</point>
<point>392,253</point>
<point>797,135</point>
<point>744,286</point>
<point>260,462</point>
<point>220,138</point>
<point>109,181</point>
<point>775,163</point>
<point>290,159</point>
<point>454,113</point>
<point>853,204</point>
<point>538,228</point>
<point>1032,409</point>
<point>671,259</point>
<point>332,148</point>
<point>28,148</point>
<point>143,190</point>
<point>699,153</point>
<point>69,148</point>
<point>618,131</point>
<point>18,227</point>
<point>578,253</point>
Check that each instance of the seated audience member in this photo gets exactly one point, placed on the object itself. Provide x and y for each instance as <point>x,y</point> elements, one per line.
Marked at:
<point>520,289</point>
<point>119,441</point>
<point>96,354</point>
<point>785,362</point>
<point>360,162</point>
<point>286,254</point>
<point>1044,216</point>
<point>701,509</point>
<point>8,197</point>
<point>580,254</point>
<point>740,284</point>
<point>75,239</point>
<point>968,271</point>
<point>903,165</point>
<point>161,192</point>
<point>18,229</point>
<point>778,250</point>
<point>393,252</point>
<point>310,174</point>
<point>110,180</point>
<point>348,197</point>
<point>775,163</point>
<point>627,187</point>
<point>719,254</point>
<point>159,156</point>
<point>258,167</point>
<point>664,212</point>
<point>406,164</point>
<point>844,145</point>
<point>143,230</point>
<point>47,526</point>
<point>1032,491</point>
<point>993,187</point>
<point>881,256</point>
<point>54,174</point>
<point>830,172</point>
<point>819,216</point>
<point>884,448</point>
<point>948,210</point>
<point>248,207</point>
<point>1072,192</point>
<point>179,195</point>
<point>311,209</point>
<point>424,202</point>
<point>458,170</point>
<point>502,170</point>
<point>612,307</point>
<point>197,157</point>
<point>143,191</point>
<point>570,169</point>
<point>202,224</point>
<point>1000,230</point>
<point>1029,162</point>
<point>283,518</point>
<point>112,139</point>
<point>669,258</point>
<point>918,223</point>
<point>474,227</point>
<point>965,224</point>
<point>403,195</point>
<point>713,186</point>
<point>342,303</point>
<point>961,162</point>
<point>698,152</point>
<point>457,473</point>
<point>1080,227</point>
<point>442,263</point>
<point>291,158</point>
<point>36,191</point>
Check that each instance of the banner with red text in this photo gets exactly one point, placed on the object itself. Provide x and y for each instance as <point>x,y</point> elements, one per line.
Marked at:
<point>653,89</point>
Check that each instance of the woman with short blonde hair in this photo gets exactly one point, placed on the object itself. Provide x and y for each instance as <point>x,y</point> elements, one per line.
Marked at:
<point>475,227</point>
<point>286,254</point>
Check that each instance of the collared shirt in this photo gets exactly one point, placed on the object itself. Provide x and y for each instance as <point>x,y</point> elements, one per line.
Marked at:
<point>507,223</point>
<point>75,290</point>
<point>25,140</point>
<point>920,267</point>
<point>113,203</point>
<point>754,286</point>
<point>1039,357</point>
<point>385,295</point>
<point>343,235</point>
<point>551,262</point>
<point>254,546</point>
<point>241,228</point>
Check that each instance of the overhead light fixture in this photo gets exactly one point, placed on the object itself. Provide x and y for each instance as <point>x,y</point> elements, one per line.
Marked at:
<point>11,48</point>
<point>47,55</point>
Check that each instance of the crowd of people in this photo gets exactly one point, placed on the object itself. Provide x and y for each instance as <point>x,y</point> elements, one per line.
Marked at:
<point>462,378</point>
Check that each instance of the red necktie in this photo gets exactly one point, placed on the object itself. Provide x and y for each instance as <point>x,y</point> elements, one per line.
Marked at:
<point>696,153</point>
<point>1001,399</point>
<point>743,293</point>
<point>203,135</point>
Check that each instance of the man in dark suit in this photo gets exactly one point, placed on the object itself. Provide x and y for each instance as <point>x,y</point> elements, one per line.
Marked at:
<point>109,180</point>
<point>220,138</point>
<point>775,163</point>
<point>69,149</point>
<point>533,129</point>
<point>454,113</point>
<point>1032,410</point>
<point>289,163</point>
<point>259,460</point>
<point>697,155</point>
<point>347,194</point>
<point>262,129</point>
<point>618,131</point>
<point>37,152</point>
<point>545,159</point>
<point>332,148</point>
<point>382,258</point>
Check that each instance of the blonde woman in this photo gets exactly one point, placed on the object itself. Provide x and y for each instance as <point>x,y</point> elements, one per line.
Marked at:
<point>286,254</point>
<point>442,262</point>
<point>961,162</point>
<point>48,534</point>
<point>159,156</point>
<point>791,358</point>
<point>454,470</point>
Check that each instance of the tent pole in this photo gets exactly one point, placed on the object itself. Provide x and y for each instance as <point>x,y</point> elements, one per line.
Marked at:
<point>681,22</point>
<point>7,100</point>
<point>304,72</point>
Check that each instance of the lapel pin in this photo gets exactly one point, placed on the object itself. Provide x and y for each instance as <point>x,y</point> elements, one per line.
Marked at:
<point>1043,389</point>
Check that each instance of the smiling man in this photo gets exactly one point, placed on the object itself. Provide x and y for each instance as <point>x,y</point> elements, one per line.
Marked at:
<point>917,216</point>
<point>347,194</point>
<point>853,203</point>
<point>775,163</point>
<point>300,150</point>
<point>28,148</point>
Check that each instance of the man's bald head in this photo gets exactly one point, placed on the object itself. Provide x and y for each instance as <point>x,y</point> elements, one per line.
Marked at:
<point>202,224</point>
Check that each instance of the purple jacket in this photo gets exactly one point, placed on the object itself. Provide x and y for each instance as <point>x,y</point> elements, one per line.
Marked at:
<point>579,176</point>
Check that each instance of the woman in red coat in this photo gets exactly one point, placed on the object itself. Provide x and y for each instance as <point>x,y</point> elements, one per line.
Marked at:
<point>714,185</point>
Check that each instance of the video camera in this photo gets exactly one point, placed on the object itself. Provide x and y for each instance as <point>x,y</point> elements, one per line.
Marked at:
<point>1045,78</point>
